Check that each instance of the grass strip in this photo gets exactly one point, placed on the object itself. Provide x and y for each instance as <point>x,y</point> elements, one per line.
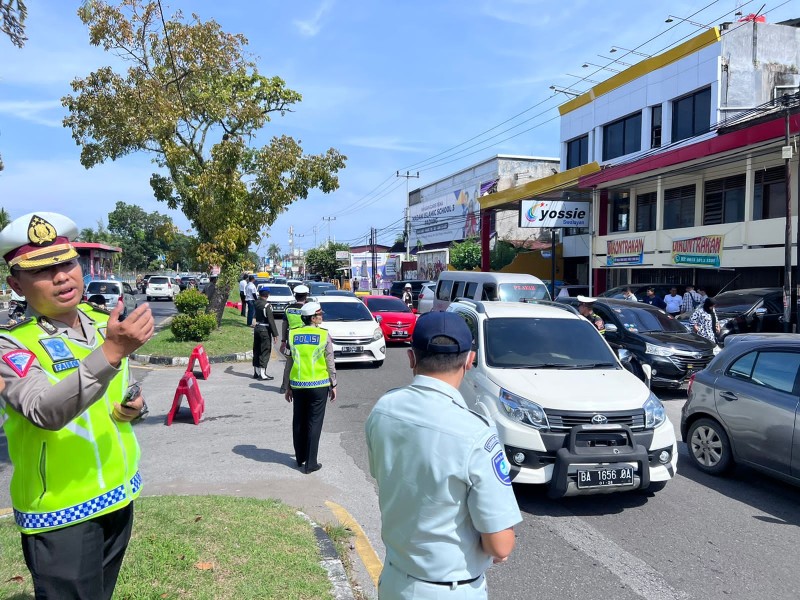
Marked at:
<point>201,547</point>
<point>232,336</point>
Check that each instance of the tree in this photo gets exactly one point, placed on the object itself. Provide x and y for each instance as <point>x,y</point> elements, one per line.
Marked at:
<point>322,260</point>
<point>274,253</point>
<point>5,218</point>
<point>193,99</point>
<point>12,21</point>
<point>466,255</point>
<point>502,255</point>
<point>143,236</point>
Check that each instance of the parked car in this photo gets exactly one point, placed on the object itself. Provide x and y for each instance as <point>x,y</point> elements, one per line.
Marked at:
<point>425,298</point>
<point>280,296</point>
<point>753,310</point>
<point>475,285</point>
<point>293,283</point>
<point>397,288</point>
<point>568,414</point>
<point>113,291</point>
<point>743,408</point>
<point>395,318</point>
<point>161,286</point>
<point>572,291</point>
<point>318,288</point>
<point>336,292</point>
<point>640,290</point>
<point>653,338</point>
<point>354,332</point>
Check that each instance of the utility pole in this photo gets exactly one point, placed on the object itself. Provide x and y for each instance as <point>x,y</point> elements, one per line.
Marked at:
<point>407,220</point>
<point>291,247</point>
<point>786,153</point>
<point>374,259</point>
<point>329,219</point>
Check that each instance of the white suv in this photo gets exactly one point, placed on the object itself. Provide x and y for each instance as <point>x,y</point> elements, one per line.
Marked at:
<point>567,412</point>
<point>355,333</point>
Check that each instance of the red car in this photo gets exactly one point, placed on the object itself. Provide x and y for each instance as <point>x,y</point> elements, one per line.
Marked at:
<point>395,318</point>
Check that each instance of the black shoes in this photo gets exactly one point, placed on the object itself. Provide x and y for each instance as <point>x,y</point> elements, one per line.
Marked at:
<point>300,463</point>
<point>311,469</point>
<point>267,378</point>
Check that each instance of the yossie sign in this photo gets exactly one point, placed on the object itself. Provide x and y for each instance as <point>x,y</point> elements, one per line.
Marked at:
<point>551,214</point>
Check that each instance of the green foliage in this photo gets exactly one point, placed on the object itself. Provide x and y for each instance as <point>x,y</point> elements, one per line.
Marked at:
<point>191,302</point>
<point>12,21</point>
<point>195,328</point>
<point>502,255</point>
<point>466,255</point>
<point>194,101</point>
<point>322,260</point>
<point>142,236</point>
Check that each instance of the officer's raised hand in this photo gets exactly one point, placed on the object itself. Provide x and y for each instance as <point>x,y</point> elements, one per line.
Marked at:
<point>124,337</point>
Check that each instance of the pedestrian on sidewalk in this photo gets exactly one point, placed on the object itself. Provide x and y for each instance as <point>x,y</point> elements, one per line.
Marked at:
<point>291,321</point>
<point>447,507</point>
<point>673,302</point>
<point>242,295</point>
<point>251,295</point>
<point>263,334</point>
<point>312,383</point>
<point>68,404</point>
<point>691,300</point>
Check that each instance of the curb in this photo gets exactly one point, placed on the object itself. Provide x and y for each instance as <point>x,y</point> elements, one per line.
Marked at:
<point>331,562</point>
<point>182,361</point>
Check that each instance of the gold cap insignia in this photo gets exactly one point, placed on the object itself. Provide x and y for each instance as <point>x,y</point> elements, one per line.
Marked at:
<point>40,232</point>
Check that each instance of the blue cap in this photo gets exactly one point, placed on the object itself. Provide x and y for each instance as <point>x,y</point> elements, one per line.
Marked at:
<point>433,324</point>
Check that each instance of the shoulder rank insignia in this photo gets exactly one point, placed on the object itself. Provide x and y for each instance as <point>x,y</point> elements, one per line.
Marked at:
<point>99,308</point>
<point>19,360</point>
<point>12,323</point>
<point>48,327</point>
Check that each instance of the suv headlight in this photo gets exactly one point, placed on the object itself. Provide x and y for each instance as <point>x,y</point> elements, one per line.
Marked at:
<point>522,410</point>
<point>378,334</point>
<point>658,350</point>
<point>654,413</point>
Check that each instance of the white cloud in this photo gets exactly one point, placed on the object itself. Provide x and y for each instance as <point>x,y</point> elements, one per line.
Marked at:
<point>33,111</point>
<point>312,26</point>
<point>384,143</point>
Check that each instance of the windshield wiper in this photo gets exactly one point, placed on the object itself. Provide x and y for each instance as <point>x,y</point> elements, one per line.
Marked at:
<point>592,365</point>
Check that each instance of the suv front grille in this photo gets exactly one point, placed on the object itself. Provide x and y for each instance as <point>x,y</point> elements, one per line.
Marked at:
<point>564,420</point>
<point>352,341</point>
<point>683,362</point>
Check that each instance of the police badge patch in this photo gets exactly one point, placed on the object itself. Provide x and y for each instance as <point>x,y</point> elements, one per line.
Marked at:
<point>20,361</point>
<point>491,443</point>
<point>501,468</point>
<point>60,354</point>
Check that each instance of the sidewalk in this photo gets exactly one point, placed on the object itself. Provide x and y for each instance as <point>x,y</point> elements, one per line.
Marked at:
<point>243,447</point>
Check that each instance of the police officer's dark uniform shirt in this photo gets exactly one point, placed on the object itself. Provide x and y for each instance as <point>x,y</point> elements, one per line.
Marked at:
<point>443,480</point>
<point>264,316</point>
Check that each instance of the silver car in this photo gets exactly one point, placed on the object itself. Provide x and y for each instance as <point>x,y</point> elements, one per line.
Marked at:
<point>743,407</point>
<point>109,292</point>
<point>426,293</point>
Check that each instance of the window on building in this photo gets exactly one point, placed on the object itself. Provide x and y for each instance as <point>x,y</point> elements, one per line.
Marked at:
<point>646,212</point>
<point>655,127</point>
<point>724,200</point>
<point>679,207</point>
<point>769,196</point>
<point>578,152</point>
<point>620,211</point>
<point>691,115</point>
<point>622,137</point>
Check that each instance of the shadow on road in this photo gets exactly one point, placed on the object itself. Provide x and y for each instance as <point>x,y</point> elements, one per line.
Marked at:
<point>264,455</point>
<point>533,499</point>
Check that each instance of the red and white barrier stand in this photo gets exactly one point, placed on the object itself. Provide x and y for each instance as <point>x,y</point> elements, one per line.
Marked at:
<point>187,387</point>
<point>199,354</point>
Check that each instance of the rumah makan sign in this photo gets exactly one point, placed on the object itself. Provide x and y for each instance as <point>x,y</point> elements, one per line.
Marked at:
<point>701,251</point>
<point>625,252</point>
<point>552,214</point>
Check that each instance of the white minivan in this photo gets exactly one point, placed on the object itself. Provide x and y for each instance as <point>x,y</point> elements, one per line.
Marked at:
<point>487,287</point>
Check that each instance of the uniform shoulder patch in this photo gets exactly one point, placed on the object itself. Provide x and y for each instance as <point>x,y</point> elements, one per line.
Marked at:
<point>20,360</point>
<point>491,443</point>
<point>501,468</point>
<point>13,324</point>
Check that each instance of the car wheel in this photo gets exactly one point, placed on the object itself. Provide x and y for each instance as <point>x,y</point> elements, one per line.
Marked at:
<point>709,447</point>
<point>149,298</point>
<point>377,363</point>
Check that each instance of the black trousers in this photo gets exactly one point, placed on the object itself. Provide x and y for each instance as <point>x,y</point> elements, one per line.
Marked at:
<point>244,304</point>
<point>309,412</point>
<point>262,346</point>
<point>79,562</point>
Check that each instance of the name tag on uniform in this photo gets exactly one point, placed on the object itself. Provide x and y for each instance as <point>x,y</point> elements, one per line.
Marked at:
<point>305,338</point>
<point>60,354</point>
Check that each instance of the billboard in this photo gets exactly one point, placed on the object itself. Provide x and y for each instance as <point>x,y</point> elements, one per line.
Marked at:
<point>552,214</point>
<point>451,216</point>
<point>700,251</point>
<point>625,252</point>
<point>361,268</point>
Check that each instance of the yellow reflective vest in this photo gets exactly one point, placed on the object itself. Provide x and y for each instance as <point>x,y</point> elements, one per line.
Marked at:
<point>309,369</point>
<point>293,318</point>
<point>87,468</point>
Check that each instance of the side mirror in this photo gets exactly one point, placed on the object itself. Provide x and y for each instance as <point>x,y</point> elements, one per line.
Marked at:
<point>378,318</point>
<point>648,374</point>
<point>611,328</point>
<point>760,312</point>
<point>624,355</point>
<point>414,310</point>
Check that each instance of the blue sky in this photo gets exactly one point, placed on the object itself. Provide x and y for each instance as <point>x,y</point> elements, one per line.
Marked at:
<point>393,85</point>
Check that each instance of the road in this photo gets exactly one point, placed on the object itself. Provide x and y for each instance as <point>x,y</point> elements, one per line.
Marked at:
<point>700,537</point>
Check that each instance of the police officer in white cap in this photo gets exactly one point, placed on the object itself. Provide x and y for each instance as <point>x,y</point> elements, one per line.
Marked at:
<point>447,507</point>
<point>312,383</point>
<point>408,297</point>
<point>68,403</point>
<point>292,320</point>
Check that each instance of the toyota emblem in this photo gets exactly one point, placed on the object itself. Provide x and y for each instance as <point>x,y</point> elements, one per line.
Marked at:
<point>599,419</point>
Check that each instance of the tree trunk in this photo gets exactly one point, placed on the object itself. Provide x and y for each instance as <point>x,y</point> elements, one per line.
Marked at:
<point>218,296</point>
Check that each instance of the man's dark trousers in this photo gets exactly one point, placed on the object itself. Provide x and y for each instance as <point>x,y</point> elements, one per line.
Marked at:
<point>244,304</point>
<point>262,345</point>
<point>309,412</point>
<point>80,561</point>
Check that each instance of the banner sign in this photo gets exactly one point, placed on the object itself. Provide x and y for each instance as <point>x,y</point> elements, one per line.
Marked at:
<point>625,252</point>
<point>343,255</point>
<point>453,216</point>
<point>551,214</point>
<point>704,250</point>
